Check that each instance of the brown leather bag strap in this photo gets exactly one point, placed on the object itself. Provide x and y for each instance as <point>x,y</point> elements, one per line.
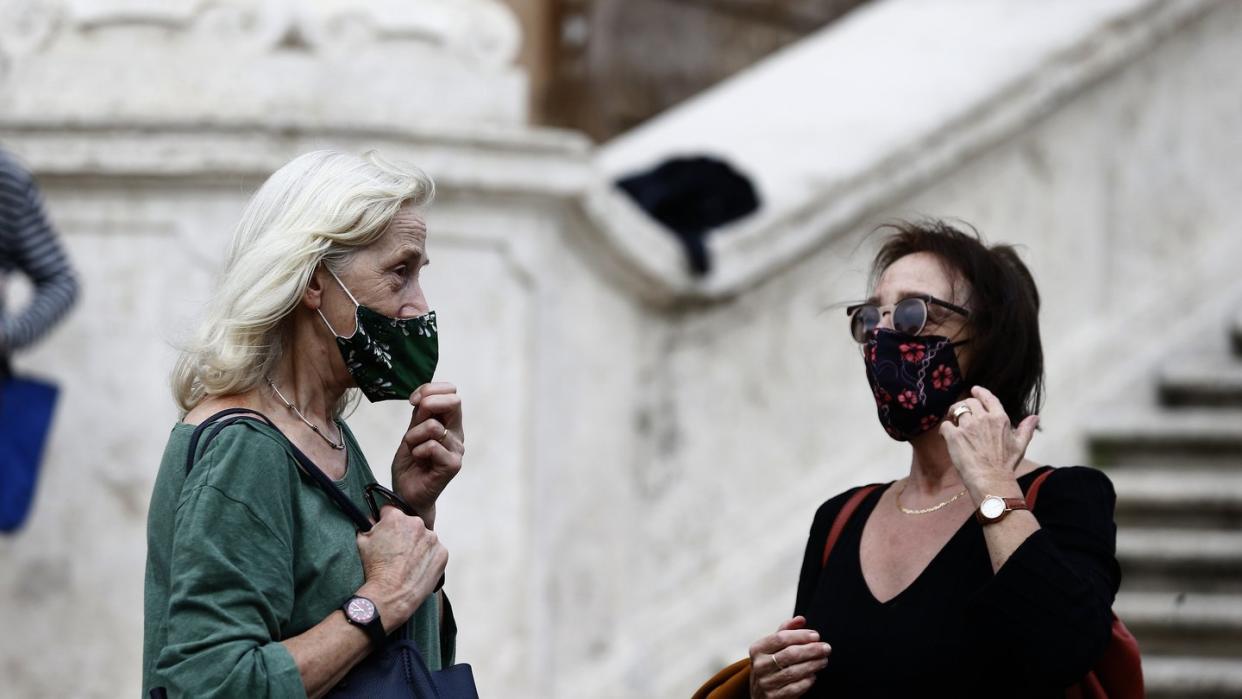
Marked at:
<point>843,517</point>
<point>1033,491</point>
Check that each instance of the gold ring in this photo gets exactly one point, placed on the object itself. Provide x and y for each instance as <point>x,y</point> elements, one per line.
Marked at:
<point>961,410</point>
<point>443,436</point>
<point>776,662</point>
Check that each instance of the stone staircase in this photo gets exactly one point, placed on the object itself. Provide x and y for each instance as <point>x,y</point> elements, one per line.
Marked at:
<point>1177,469</point>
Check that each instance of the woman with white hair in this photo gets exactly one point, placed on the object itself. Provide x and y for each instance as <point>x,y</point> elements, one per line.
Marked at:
<point>260,581</point>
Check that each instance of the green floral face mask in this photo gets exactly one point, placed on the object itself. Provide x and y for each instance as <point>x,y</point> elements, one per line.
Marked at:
<point>388,357</point>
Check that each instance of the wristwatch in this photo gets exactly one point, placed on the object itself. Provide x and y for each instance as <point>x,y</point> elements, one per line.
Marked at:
<point>994,508</point>
<point>361,612</point>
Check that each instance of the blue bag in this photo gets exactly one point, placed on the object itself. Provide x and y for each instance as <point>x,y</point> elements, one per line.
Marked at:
<point>26,407</point>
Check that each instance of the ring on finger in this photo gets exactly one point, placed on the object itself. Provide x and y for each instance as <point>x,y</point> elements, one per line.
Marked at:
<point>775,661</point>
<point>443,436</point>
<point>959,411</point>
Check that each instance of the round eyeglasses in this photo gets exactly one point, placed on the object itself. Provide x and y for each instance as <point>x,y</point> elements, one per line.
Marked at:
<point>909,315</point>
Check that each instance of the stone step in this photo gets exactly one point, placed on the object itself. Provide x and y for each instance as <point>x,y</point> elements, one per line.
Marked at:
<point>1188,677</point>
<point>1178,475</point>
<point>1170,623</point>
<point>1205,498</point>
<point>1180,560</point>
<point>1206,381</point>
<point>1177,440</point>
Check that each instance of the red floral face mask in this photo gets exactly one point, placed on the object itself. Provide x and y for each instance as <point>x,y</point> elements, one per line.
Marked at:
<point>915,379</point>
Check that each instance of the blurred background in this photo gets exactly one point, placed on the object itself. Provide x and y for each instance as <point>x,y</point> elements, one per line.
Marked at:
<point>654,410</point>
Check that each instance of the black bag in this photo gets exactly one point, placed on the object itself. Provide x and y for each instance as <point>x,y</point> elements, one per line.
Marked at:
<point>396,670</point>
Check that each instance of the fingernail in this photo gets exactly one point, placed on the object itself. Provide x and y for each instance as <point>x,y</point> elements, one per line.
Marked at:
<point>815,635</point>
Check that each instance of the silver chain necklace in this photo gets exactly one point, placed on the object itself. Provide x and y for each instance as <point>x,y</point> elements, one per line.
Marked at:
<point>334,445</point>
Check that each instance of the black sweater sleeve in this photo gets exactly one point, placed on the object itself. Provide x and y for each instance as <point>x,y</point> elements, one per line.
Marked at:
<point>1052,598</point>
<point>812,559</point>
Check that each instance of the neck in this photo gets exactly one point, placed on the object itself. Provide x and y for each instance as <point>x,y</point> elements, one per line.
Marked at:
<point>306,376</point>
<point>931,469</point>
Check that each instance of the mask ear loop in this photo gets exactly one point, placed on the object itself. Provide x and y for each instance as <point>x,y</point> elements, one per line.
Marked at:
<point>351,298</point>
<point>325,322</point>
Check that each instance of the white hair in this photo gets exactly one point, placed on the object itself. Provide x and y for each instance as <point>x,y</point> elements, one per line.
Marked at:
<point>320,207</point>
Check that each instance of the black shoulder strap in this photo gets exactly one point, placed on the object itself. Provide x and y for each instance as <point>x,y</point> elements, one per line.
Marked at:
<point>191,454</point>
<point>227,417</point>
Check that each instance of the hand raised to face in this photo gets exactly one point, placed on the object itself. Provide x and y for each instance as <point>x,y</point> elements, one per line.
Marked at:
<point>430,453</point>
<point>982,442</point>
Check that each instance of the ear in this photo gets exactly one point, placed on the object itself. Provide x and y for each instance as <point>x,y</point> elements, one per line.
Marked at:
<point>313,296</point>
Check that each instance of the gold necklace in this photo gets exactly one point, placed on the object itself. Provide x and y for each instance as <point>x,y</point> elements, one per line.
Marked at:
<point>335,445</point>
<point>925,510</point>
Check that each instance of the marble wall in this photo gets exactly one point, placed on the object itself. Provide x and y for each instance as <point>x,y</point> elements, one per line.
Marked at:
<point>1121,200</point>
<point>643,464</point>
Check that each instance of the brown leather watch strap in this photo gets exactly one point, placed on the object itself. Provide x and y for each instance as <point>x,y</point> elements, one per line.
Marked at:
<point>1011,504</point>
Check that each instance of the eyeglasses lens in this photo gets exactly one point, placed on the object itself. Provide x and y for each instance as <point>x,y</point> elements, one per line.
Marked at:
<point>909,316</point>
<point>863,322</point>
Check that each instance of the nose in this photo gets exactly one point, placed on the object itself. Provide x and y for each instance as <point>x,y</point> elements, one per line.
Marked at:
<point>886,320</point>
<point>416,305</point>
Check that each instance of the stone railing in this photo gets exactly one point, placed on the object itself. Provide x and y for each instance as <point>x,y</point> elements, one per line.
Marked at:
<point>827,151</point>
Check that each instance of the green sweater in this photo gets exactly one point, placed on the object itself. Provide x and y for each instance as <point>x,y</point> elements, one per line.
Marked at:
<point>243,553</point>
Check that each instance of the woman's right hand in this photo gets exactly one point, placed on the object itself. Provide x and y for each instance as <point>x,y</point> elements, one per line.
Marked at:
<point>402,561</point>
<point>783,665</point>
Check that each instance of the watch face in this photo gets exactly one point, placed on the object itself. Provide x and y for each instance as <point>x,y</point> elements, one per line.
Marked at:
<point>360,610</point>
<point>992,507</point>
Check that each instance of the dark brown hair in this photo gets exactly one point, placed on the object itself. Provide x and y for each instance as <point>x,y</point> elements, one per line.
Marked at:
<point>1006,356</point>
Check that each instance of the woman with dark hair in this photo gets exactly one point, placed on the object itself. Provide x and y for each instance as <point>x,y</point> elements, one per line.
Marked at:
<point>943,582</point>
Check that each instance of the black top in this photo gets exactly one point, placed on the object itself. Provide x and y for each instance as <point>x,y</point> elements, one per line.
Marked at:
<point>1031,629</point>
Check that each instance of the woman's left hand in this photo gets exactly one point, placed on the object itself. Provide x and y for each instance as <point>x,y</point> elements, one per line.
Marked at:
<point>984,446</point>
<point>431,451</point>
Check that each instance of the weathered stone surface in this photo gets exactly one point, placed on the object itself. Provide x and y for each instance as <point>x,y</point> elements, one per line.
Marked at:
<point>324,62</point>
<point>645,456</point>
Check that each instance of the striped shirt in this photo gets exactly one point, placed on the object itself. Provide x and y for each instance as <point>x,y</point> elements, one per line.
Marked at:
<point>30,246</point>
